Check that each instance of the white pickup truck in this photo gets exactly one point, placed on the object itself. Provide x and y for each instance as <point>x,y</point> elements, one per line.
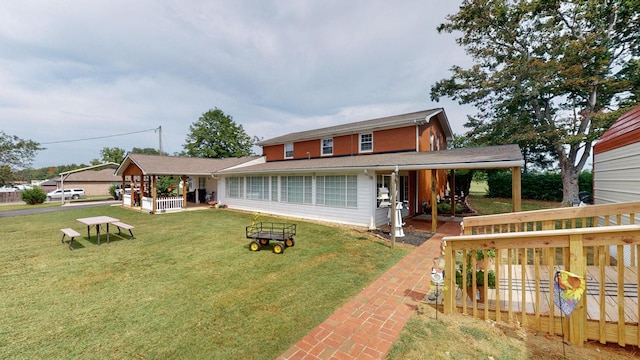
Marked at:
<point>68,194</point>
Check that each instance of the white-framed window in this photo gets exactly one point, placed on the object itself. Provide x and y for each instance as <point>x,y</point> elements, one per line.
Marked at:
<point>257,187</point>
<point>431,142</point>
<point>234,187</point>
<point>327,147</point>
<point>288,151</point>
<point>366,142</point>
<point>296,189</point>
<point>337,190</point>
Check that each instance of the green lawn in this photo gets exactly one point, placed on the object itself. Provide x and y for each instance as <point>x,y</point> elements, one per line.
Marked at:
<point>186,288</point>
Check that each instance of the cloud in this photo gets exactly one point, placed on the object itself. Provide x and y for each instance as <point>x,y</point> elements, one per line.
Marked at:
<point>75,70</point>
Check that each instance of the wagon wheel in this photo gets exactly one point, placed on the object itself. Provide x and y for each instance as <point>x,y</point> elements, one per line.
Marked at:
<point>278,248</point>
<point>254,246</point>
<point>264,242</point>
<point>289,242</point>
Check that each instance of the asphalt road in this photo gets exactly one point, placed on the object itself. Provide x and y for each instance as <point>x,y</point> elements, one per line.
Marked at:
<point>68,206</point>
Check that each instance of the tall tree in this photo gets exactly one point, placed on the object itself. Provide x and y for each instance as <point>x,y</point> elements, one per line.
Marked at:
<point>543,71</point>
<point>216,135</point>
<point>15,154</point>
<point>107,154</point>
<point>148,151</point>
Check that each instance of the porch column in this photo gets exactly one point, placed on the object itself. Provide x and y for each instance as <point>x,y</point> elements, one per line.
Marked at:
<point>184,191</point>
<point>516,188</point>
<point>434,202</point>
<point>452,192</point>
<point>154,195</point>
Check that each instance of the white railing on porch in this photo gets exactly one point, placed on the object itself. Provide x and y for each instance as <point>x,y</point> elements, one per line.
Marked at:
<point>172,203</point>
<point>147,203</point>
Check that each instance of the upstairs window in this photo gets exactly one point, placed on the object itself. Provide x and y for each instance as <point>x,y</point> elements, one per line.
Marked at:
<point>288,151</point>
<point>366,142</point>
<point>327,147</point>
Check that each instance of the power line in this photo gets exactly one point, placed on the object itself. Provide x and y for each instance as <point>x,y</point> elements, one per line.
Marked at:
<point>99,137</point>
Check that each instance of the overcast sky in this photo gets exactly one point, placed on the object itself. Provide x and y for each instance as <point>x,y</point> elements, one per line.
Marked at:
<point>72,70</point>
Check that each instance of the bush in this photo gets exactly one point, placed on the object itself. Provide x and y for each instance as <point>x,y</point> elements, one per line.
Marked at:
<point>112,191</point>
<point>445,208</point>
<point>34,196</point>
<point>535,186</point>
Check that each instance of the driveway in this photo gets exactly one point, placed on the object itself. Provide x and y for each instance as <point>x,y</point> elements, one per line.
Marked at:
<point>68,206</point>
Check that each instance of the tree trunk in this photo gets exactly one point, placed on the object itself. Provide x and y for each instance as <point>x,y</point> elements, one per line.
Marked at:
<point>570,174</point>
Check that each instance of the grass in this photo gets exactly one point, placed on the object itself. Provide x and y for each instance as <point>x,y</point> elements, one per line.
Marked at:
<point>488,206</point>
<point>186,287</point>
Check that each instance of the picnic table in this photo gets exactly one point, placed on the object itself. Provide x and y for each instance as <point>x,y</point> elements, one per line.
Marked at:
<point>97,221</point>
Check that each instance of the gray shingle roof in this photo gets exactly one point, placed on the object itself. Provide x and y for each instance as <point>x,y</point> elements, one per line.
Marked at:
<point>174,165</point>
<point>503,156</point>
<point>362,126</point>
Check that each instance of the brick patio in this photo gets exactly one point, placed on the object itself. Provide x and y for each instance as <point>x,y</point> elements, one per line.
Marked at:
<point>368,325</point>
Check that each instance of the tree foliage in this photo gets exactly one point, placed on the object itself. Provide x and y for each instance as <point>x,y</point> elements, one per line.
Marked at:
<point>15,154</point>
<point>544,71</point>
<point>148,151</point>
<point>34,196</point>
<point>107,154</point>
<point>216,135</point>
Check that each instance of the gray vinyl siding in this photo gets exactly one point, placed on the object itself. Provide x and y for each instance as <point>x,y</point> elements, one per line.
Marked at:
<point>616,176</point>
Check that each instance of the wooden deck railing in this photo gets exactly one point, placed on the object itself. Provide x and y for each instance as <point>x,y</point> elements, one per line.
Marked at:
<point>529,247</point>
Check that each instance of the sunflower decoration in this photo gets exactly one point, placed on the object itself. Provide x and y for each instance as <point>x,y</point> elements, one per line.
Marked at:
<point>568,289</point>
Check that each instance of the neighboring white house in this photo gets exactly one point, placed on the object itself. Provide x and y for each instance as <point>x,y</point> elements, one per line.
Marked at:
<point>616,167</point>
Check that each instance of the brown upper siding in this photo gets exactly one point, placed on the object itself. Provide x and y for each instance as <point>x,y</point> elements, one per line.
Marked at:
<point>390,134</point>
<point>400,139</point>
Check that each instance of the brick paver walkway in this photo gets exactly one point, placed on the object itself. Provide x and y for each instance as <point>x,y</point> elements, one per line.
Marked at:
<point>367,326</point>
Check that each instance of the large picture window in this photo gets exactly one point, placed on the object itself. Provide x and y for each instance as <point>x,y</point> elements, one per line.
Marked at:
<point>327,147</point>
<point>296,189</point>
<point>337,190</point>
<point>234,187</point>
<point>258,187</point>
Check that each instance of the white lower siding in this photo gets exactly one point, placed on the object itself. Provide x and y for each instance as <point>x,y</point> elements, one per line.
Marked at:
<point>364,214</point>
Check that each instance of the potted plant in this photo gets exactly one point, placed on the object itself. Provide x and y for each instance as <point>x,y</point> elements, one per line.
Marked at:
<point>489,262</point>
<point>468,286</point>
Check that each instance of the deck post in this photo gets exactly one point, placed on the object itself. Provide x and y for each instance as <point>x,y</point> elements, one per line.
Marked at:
<point>516,188</point>
<point>449,279</point>
<point>434,202</point>
<point>577,266</point>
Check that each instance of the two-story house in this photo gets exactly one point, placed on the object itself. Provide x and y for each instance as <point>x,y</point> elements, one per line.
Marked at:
<point>339,173</point>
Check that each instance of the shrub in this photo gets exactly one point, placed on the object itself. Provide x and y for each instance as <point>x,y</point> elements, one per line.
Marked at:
<point>34,196</point>
<point>445,208</point>
<point>112,191</point>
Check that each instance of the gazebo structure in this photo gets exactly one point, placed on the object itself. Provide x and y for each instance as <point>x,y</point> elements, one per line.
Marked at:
<point>194,176</point>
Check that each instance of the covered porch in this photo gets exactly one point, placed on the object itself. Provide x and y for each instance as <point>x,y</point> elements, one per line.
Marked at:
<point>161,184</point>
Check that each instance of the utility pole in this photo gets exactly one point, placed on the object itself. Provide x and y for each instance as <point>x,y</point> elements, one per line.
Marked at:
<point>160,138</point>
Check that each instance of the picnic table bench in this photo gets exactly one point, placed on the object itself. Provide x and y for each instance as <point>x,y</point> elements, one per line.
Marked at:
<point>120,224</point>
<point>71,234</point>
